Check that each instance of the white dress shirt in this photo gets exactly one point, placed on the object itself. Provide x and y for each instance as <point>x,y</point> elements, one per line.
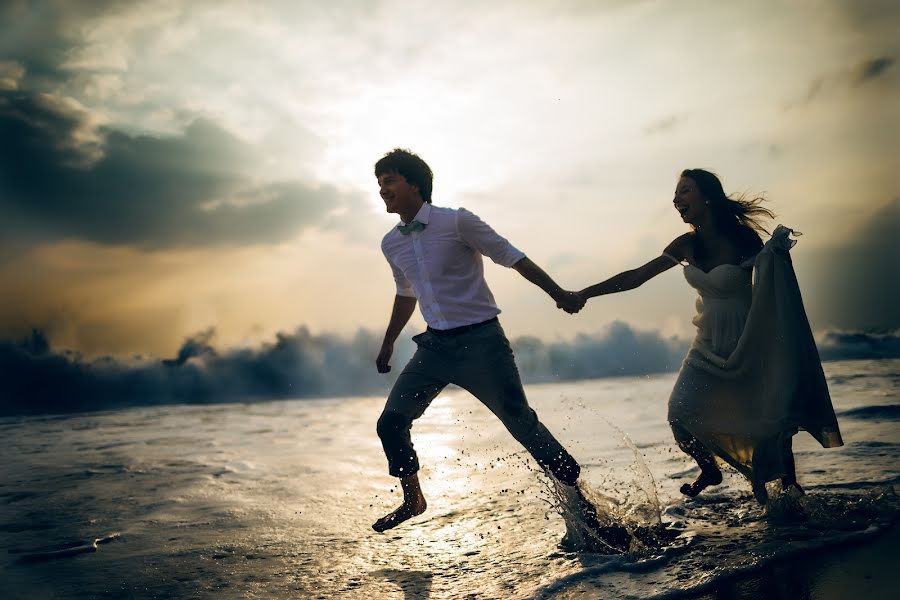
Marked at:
<point>441,265</point>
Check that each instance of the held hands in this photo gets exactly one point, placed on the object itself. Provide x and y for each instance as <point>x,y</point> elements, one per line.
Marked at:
<point>571,302</point>
<point>384,356</point>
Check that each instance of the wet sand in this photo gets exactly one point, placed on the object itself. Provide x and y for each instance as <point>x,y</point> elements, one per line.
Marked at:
<point>866,569</point>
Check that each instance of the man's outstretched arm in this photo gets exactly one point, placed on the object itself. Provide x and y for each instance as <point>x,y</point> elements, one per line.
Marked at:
<point>568,301</point>
<point>400,314</point>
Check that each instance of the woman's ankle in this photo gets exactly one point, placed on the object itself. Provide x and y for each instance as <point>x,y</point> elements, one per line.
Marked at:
<point>711,471</point>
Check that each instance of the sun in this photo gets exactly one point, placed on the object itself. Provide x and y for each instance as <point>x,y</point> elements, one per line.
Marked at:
<point>435,123</point>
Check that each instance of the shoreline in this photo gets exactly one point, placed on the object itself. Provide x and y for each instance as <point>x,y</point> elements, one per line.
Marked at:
<point>863,568</point>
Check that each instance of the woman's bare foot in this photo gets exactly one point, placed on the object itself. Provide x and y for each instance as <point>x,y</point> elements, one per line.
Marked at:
<point>706,479</point>
<point>407,511</point>
<point>413,505</point>
<point>760,493</point>
<point>793,489</point>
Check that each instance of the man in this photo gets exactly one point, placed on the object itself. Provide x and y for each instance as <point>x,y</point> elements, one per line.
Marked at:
<point>435,255</point>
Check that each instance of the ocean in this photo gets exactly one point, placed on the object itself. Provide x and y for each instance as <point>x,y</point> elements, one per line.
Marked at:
<point>276,500</point>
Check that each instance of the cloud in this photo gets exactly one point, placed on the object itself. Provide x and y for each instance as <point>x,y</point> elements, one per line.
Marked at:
<point>867,15</point>
<point>41,35</point>
<point>664,125</point>
<point>858,282</point>
<point>873,68</point>
<point>11,73</point>
<point>843,79</point>
<point>767,149</point>
<point>64,175</point>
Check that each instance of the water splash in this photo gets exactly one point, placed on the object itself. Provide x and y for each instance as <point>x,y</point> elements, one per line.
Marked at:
<point>598,523</point>
<point>629,522</point>
<point>645,509</point>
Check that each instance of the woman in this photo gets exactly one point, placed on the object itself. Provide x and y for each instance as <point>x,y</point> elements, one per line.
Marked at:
<point>752,377</point>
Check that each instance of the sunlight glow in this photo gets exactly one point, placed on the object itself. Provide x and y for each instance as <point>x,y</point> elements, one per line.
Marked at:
<point>423,116</point>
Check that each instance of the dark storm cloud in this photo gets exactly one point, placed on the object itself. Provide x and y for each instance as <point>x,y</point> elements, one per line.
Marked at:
<point>869,14</point>
<point>42,34</point>
<point>62,176</point>
<point>874,68</point>
<point>859,283</point>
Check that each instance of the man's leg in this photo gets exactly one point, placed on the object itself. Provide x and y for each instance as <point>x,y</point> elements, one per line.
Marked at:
<point>490,374</point>
<point>413,505</point>
<point>413,391</point>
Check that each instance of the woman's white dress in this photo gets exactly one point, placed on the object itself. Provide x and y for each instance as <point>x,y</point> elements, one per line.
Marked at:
<point>752,377</point>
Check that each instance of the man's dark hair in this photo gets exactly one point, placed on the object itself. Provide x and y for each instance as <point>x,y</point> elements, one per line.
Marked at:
<point>413,169</point>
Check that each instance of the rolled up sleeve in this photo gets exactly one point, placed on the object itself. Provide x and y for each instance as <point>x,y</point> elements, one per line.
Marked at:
<point>480,236</point>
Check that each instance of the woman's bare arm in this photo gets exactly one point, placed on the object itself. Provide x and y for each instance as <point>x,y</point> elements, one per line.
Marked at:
<point>628,280</point>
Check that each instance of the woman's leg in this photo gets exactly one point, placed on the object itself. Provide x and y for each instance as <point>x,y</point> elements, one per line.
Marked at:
<point>790,479</point>
<point>709,470</point>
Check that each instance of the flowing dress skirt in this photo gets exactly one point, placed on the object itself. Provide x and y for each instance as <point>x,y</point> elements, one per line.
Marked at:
<point>745,406</point>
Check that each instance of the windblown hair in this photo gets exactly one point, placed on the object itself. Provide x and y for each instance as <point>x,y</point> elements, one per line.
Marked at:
<point>413,169</point>
<point>735,215</point>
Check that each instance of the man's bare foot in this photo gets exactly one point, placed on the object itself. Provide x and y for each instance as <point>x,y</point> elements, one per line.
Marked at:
<point>413,505</point>
<point>585,508</point>
<point>612,535</point>
<point>706,479</point>
<point>407,511</point>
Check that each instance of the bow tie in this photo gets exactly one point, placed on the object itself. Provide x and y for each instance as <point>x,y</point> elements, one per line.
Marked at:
<point>414,226</point>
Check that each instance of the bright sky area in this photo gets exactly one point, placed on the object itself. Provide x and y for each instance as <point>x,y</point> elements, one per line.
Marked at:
<point>209,164</point>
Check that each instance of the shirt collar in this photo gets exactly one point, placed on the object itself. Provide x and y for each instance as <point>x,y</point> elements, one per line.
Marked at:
<point>421,216</point>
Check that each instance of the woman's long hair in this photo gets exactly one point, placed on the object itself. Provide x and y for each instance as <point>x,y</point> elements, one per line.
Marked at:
<point>737,215</point>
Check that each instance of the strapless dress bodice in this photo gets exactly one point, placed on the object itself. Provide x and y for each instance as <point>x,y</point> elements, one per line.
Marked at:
<point>725,295</point>
<point>723,281</point>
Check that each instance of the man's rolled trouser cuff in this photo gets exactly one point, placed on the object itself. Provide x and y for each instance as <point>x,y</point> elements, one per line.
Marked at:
<point>411,468</point>
<point>393,429</point>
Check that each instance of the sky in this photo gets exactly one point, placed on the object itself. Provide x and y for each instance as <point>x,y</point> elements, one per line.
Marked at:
<point>175,169</point>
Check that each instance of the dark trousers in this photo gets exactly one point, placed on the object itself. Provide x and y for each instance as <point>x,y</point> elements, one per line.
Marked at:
<point>479,360</point>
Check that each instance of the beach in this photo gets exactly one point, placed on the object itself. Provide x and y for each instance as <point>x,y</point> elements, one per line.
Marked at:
<point>276,500</point>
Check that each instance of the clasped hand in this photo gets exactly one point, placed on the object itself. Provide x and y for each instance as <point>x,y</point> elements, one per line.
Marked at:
<point>571,302</point>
